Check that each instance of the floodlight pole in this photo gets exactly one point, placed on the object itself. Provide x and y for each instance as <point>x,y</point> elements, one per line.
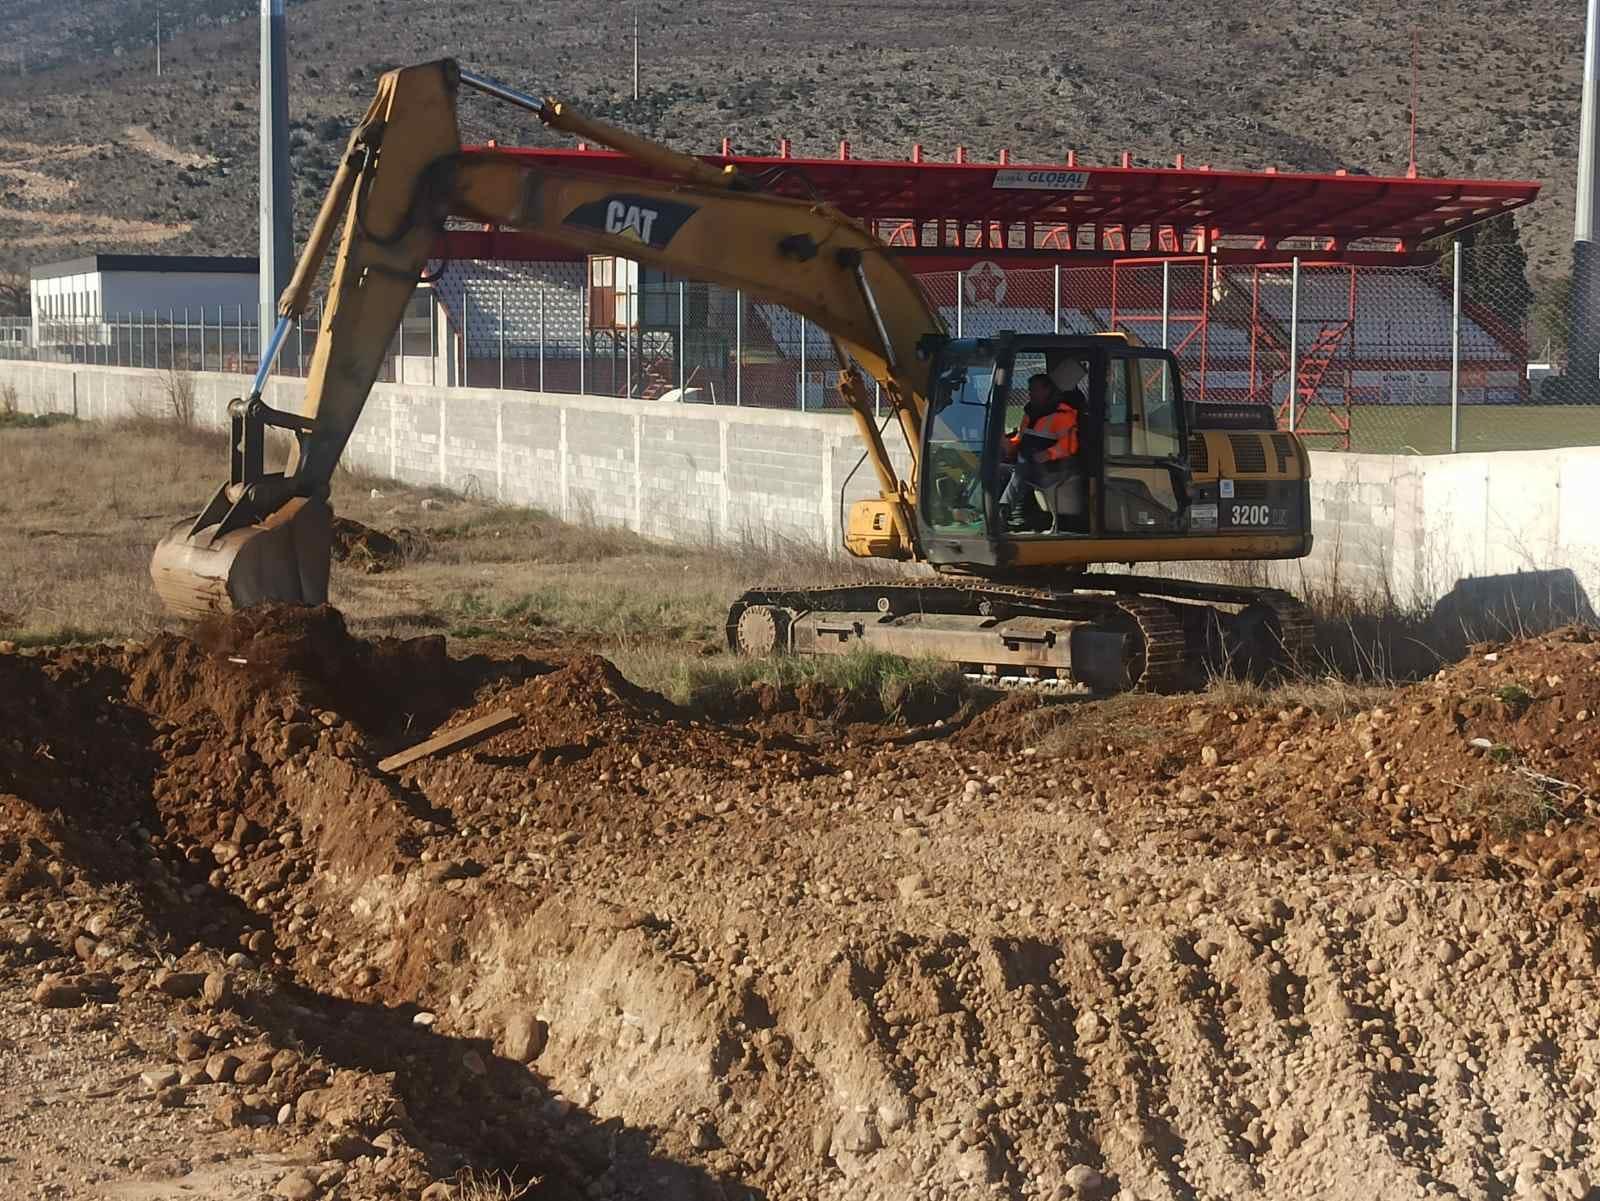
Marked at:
<point>1583,354</point>
<point>276,262</point>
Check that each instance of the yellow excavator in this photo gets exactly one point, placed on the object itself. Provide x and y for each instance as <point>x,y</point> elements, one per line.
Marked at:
<point>1155,480</point>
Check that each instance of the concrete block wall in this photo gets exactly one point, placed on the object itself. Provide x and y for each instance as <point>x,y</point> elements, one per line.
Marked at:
<point>1406,526</point>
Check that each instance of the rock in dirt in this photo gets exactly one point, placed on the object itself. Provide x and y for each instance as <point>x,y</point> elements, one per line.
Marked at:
<point>181,985</point>
<point>349,1147</point>
<point>55,993</point>
<point>254,1071</point>
<point>216,991</point>
<point>298,1186</point>
<point>1084,1180</point>
<point>192,1045</point>
<point>173,1097</point>
<point>221,1067</point>
<point>159,1078</point>
<point>912,887</point>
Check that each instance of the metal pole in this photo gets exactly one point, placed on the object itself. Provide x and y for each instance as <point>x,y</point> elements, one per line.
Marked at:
<point>583,340</point>
<point>1583,347</point>
<point>300,344</point>
<point>960,306</point>
<point>1166,298</point>
<point>738,347</point>
<point>202,337</point>
<point>500,325</point>
<point>433,338</point>
<point>877,399</point>
<point>1056,327</point>
<point>172,339</point>
<point>240,315</point>
<point>683,329</point>
<point>628,322</point>
<point>276,228</point>
<point>1455,351</point>
<point>802,364</point>
<point>400,370</point>
<point>1294,345</point>
<point>541,335</point>
<point>142,363</point>
<point>188,355</point>
<point>1589,130</point>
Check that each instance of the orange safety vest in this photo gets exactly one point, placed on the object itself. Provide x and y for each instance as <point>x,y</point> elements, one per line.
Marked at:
<point>1062,425</point>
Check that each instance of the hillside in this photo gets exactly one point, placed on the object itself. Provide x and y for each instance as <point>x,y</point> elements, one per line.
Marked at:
<point>97,153</point>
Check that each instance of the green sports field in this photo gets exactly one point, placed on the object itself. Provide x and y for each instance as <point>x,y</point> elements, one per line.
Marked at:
<point>1425,429</point>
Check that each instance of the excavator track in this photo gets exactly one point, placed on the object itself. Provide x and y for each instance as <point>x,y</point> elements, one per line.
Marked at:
<point>1166,633</point>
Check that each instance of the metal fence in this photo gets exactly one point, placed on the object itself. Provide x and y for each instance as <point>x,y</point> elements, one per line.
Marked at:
<point>1422,359</point>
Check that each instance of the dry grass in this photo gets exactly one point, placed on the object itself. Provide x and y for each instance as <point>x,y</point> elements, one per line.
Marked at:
<point>1329,695</point>
<point>1509,803</point>
<point>474,1185</point>
<point>82,509</point>
<point>86,504</point>
<point>890,685</point>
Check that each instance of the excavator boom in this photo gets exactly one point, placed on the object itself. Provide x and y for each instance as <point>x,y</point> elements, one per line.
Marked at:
<point>265,535</point>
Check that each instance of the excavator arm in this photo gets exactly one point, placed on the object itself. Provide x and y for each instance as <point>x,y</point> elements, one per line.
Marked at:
<point>265,536</point>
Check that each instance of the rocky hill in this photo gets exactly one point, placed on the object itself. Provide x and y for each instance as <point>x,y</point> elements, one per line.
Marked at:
<point>99,153</point>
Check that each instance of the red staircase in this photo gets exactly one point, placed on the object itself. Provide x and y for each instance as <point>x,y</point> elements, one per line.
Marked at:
<point>1315,416</point>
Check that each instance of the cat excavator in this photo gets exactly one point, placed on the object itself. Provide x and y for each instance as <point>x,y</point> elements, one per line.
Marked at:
<point>1156,480</point>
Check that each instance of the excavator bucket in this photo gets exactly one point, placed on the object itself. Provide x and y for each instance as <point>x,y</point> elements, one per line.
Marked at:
<point>283,558</point>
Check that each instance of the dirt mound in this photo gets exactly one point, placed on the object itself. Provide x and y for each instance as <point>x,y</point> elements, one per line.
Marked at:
<point>251,664</point>
<point>1492,767</point>
<point>375,551</point>
<point>648,955</point>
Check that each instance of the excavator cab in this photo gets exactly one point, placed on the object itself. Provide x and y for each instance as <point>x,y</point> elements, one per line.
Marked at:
<point>1127,480</point>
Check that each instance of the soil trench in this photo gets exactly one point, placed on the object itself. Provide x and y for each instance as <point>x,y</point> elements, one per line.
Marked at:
<point>1242,945</point>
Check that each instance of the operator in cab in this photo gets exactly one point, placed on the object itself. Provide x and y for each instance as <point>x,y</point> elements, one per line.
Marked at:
<point>1045,446</point>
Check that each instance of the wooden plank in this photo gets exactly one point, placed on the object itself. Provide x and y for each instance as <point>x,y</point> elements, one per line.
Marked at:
<point>451,739</point>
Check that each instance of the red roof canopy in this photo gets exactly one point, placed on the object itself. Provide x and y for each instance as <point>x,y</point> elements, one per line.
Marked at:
<point>1071,208</point>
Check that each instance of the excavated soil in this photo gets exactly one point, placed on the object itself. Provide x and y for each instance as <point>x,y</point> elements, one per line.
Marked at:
<point>1227,945</point>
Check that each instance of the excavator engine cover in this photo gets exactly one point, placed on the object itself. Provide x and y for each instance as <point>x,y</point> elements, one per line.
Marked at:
<point>281,559</point>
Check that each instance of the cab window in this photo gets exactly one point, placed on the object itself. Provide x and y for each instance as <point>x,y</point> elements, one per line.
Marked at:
<point>1143,438</point>
<point>954,467</point>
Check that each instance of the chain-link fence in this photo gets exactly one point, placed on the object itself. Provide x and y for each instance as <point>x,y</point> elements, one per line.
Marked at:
<point>1405,359</point>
